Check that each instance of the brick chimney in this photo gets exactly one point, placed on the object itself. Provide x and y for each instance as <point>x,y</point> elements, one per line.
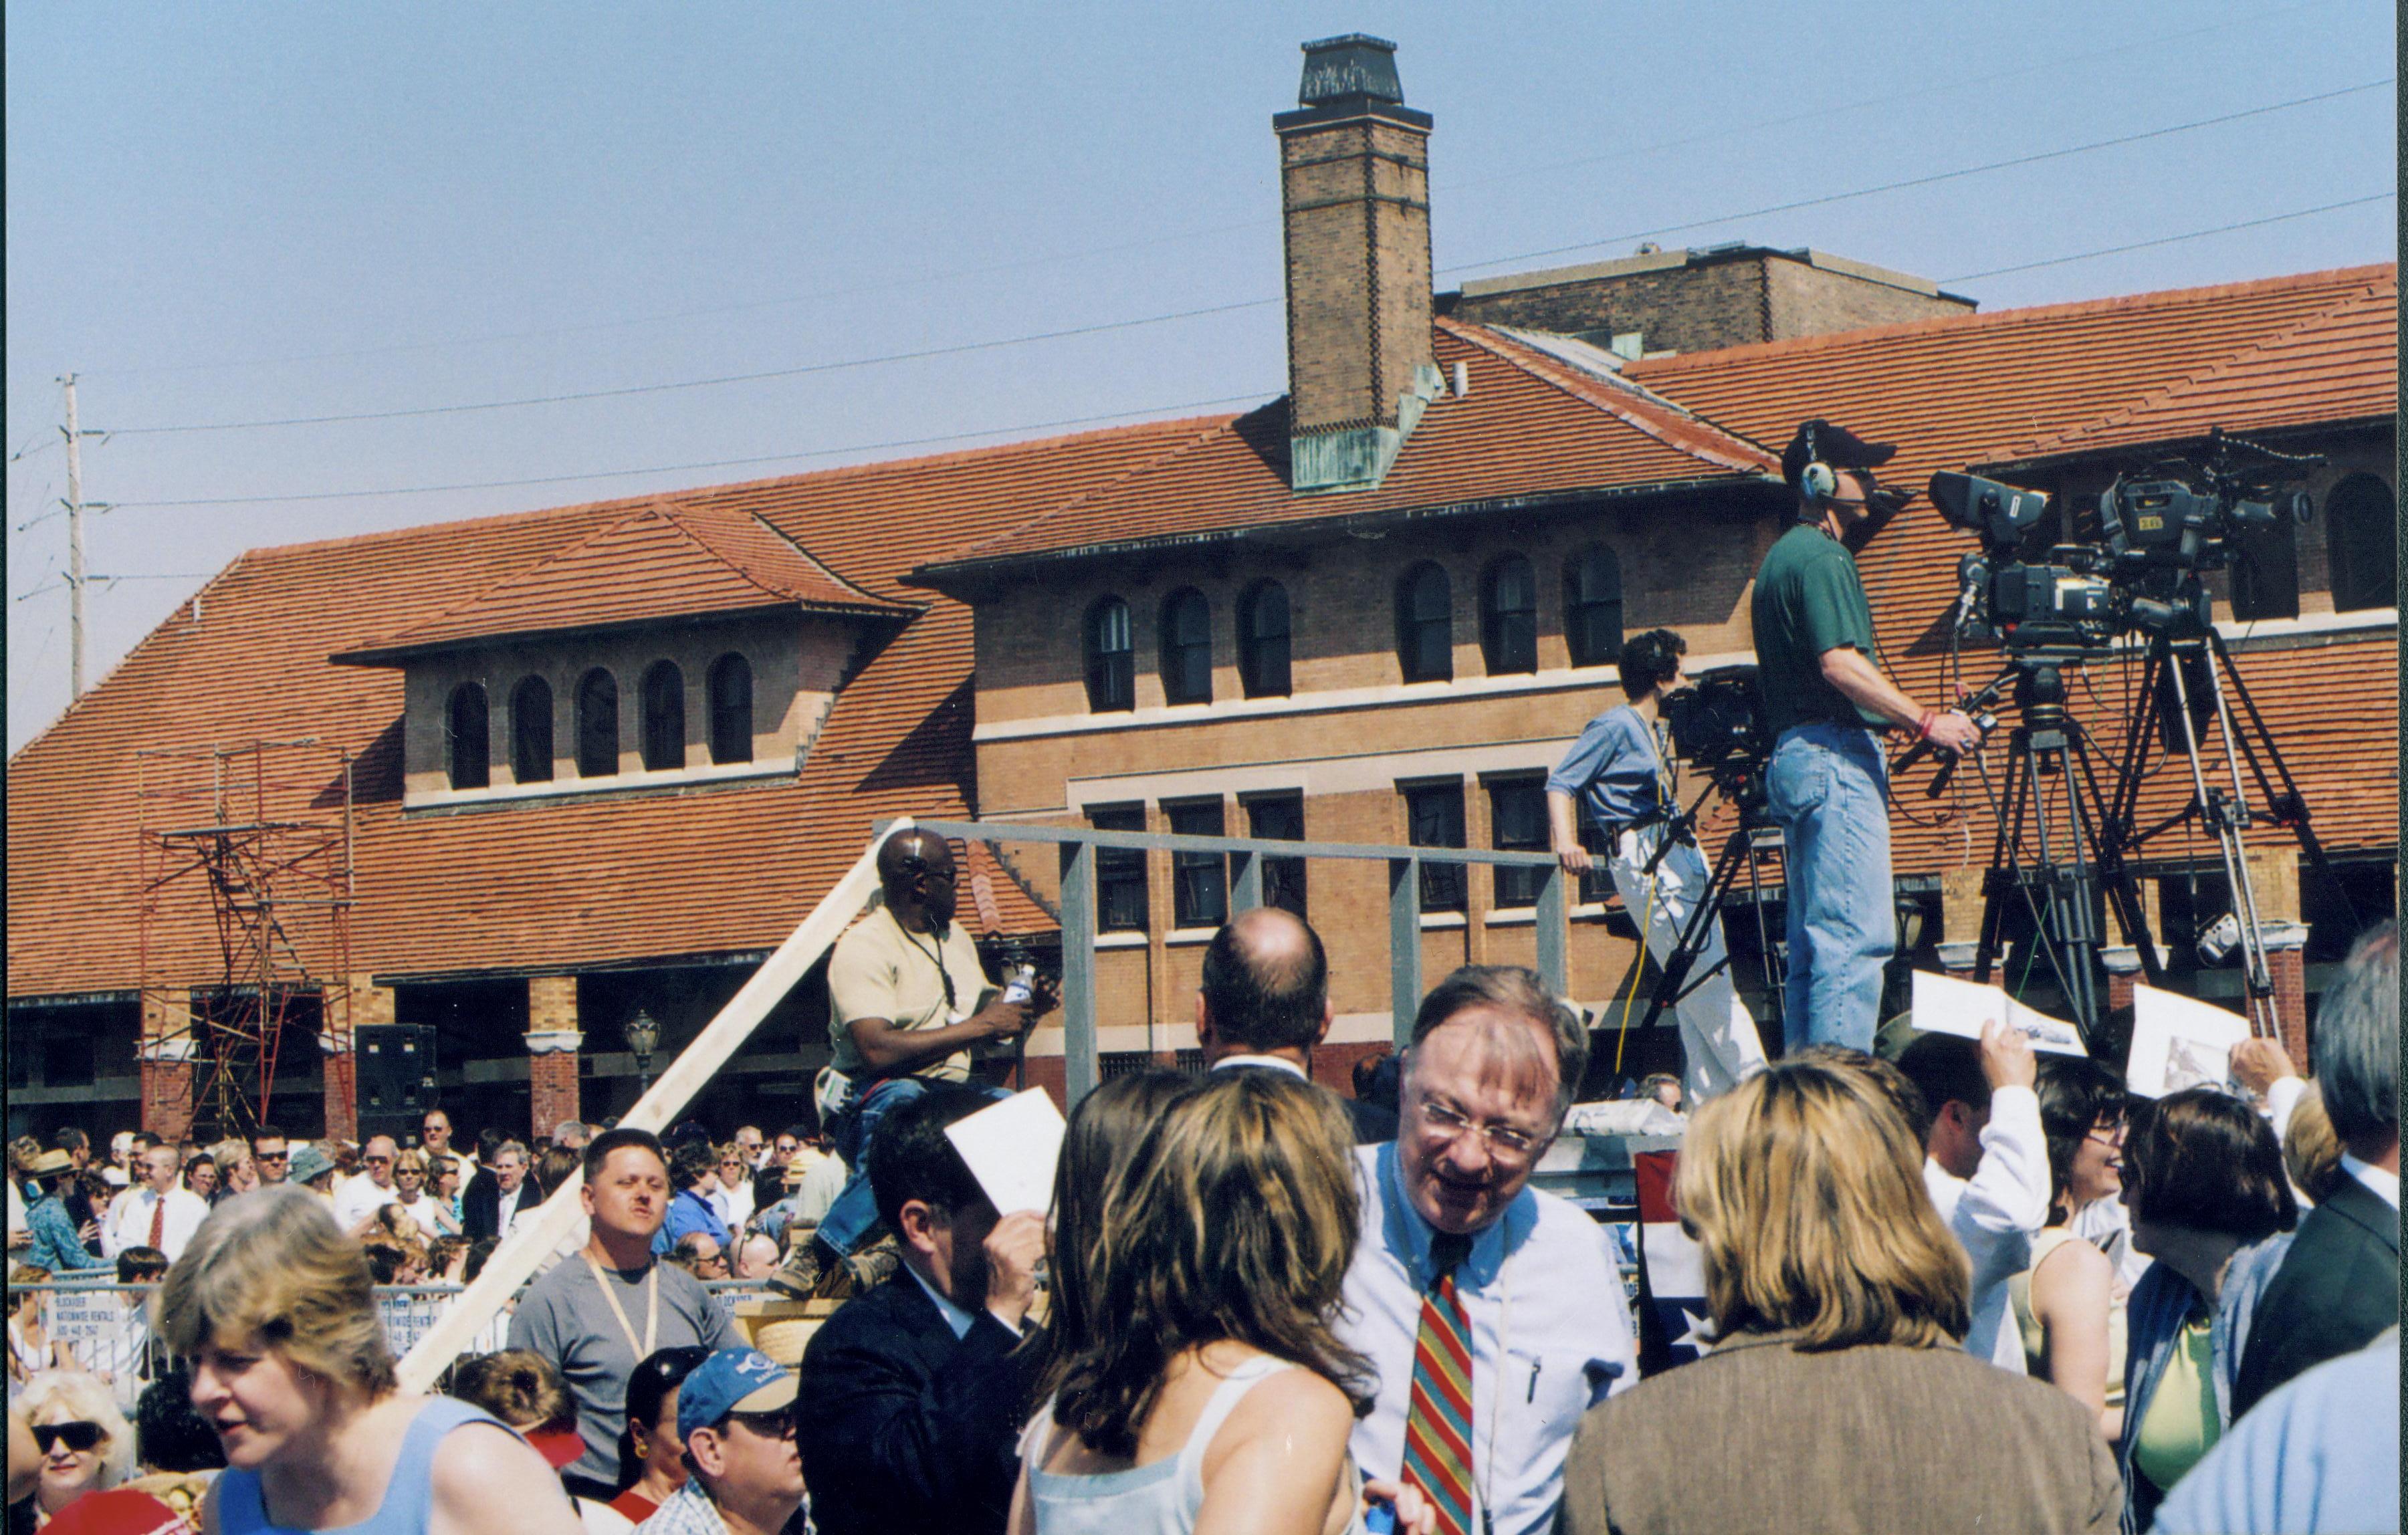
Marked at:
<point>1355,186</point>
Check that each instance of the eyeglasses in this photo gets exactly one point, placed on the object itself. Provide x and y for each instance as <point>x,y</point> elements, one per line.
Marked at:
<point>409,1172</point>
<point>766,1425</point>
<point>271,1156</point>
<point>2108,1135</point>
<point>1503,1141</point>
<point>78,1437</point>
<point>376,1161</point>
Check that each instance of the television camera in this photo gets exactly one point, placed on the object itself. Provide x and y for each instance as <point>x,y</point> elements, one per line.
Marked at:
<point>2159,531</point>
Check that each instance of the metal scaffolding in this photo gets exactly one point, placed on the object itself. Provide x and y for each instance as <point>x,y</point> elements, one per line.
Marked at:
<point>245,899</point>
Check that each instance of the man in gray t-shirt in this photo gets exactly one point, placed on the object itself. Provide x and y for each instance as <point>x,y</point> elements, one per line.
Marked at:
<point>600,1314</point>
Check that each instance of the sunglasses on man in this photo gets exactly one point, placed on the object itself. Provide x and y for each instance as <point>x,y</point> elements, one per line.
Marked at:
<point>78,1437</point>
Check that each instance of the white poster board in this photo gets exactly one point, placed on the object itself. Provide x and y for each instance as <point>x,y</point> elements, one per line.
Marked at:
<point>1946,1005</point>
<point>2180,1041</point>
<point>1010,1149</point>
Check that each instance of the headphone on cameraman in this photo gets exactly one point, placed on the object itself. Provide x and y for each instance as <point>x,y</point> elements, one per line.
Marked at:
<point>1817,482</point>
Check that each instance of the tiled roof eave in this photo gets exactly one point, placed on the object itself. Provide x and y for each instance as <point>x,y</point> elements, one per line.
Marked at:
<point>2122,449</point>
<point>940,576</point>
<point>393,655</point>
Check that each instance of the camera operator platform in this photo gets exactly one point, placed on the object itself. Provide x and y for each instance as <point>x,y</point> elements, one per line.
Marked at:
<point>1618,773</point>
<point>1825,696</point>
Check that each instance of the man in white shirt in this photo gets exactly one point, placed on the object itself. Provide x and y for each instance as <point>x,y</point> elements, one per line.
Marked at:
<point>371,1188</point>
<point>154,1213</point>
<point>1986,1165</point>
<point>1451,1226</point>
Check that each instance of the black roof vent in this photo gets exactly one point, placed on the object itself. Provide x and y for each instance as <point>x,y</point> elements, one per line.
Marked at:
<point>1352,70</point>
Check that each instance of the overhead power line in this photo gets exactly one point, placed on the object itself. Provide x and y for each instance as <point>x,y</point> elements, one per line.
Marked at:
<point>713,464</point>
<point>1933,180</point>
<point>999,343</point>
<point>1953,86</point>
<point>2175,239</point>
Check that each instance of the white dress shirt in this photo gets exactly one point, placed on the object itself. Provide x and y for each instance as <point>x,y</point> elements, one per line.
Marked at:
<point>361,1197</point>
<point>1995,1214</point>
<point>1550,1335</point>
<point>129,1221</point>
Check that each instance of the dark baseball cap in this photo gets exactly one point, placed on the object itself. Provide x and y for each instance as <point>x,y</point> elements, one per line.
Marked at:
<point>1819,441</point>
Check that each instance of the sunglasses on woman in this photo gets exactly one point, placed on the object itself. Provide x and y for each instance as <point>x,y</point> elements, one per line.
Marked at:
<point>78,1437</point>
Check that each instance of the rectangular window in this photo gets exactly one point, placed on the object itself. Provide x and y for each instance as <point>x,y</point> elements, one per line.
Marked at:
<point>1280,817</point>
<point>1434,819</point>
<point>1517,821</point>
<point>1119,873</point>
<point>1199,882</point>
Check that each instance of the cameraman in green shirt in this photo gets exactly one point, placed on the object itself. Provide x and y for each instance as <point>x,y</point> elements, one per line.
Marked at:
<point>1827,785</point>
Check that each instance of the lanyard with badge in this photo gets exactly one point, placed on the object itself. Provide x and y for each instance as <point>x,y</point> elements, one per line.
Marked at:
<point>652,1307</point>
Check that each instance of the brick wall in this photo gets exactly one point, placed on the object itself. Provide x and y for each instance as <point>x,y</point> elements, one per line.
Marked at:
<point>166,1083</point>
<point>552,1073</point>
<point>1804,300</point>
<point>1355,195</point>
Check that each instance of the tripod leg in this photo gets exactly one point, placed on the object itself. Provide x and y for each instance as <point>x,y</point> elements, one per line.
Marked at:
<point>2258,981</point>
<point>1673,969</point>
<point>2003,870</point>
<point>2287,807</point>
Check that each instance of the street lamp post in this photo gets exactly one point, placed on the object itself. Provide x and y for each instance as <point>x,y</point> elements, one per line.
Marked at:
<point>643,1037</point>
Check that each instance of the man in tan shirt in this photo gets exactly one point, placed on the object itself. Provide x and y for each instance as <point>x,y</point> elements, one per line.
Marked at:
<point>907,999</point>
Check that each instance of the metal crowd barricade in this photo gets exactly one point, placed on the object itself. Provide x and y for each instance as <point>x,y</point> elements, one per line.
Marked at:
<point>108,1337</point>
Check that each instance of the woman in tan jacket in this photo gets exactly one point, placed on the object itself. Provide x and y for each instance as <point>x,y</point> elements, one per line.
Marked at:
<point>1836,1397</point>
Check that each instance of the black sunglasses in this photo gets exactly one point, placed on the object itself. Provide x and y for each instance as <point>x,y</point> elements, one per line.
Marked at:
<point>78,1437</point>
<point>766,1425</point>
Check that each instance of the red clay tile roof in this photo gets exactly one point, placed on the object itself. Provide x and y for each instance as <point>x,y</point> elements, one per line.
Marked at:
<point>567,883</point>
<point>1531,424</point>
<point>663,563</point>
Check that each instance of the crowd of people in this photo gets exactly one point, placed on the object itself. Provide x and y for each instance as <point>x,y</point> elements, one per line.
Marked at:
<point>1966,1287</point>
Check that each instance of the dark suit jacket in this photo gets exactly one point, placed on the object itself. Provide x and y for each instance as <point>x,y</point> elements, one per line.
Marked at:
<point>1373,1122</point>
<point>1758,1436</point>
<point>480,1204</point>
<point>2338,1287</point>
<point>904,1427</point>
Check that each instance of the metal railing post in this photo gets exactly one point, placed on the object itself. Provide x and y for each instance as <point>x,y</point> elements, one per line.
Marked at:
<point>1404,946</point>
<point>1552,934</point>
<point>1245,882</point>
<point>1080,1068</point>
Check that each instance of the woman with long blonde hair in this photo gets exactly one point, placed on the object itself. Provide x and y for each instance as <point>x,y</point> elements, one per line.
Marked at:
<point>1838,1303</point>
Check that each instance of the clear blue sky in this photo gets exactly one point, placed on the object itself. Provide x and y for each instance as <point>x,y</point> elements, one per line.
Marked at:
<point>244,211</point>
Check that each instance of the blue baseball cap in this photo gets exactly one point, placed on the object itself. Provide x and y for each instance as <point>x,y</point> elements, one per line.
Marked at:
<point>734,1380</point>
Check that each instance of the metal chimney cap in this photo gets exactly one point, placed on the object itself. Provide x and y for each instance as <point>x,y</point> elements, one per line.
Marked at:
<point>1357,68</point>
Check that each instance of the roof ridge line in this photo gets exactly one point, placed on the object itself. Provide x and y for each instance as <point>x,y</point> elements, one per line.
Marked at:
<point>556,555</point>
<point>1176,451</point>
<point>2033,313</point>
<point>2221,368</point>
<point>676,517</point>
<point>1590,390</point>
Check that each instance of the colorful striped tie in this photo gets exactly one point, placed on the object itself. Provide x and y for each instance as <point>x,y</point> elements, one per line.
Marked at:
<point>1438,1424</point>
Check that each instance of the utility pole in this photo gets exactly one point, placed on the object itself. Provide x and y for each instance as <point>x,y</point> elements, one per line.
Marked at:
<point>75,546</point>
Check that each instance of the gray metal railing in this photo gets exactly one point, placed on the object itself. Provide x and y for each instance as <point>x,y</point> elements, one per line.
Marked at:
<point>1081,1068</point>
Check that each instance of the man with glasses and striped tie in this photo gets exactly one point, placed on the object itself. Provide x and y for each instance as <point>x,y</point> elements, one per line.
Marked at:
<point>1493,1311</point>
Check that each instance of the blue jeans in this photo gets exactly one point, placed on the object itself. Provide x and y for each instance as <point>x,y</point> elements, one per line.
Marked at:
<point>1827,789</point>
<point>855,1208</point>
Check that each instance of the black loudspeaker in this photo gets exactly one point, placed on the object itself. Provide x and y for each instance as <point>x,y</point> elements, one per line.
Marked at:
<point>394,1069</point>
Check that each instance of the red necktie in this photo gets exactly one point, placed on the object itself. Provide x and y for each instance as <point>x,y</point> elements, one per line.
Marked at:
<point>1438,1419</point>
<point>158,1222</point>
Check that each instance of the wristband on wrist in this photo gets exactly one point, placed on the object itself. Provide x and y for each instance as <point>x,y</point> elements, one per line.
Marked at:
<point>1923,726</point>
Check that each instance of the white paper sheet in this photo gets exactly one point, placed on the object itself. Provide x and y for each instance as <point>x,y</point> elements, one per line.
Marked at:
<point>1946,1005</point>
<point>1010,1149</point>
<point>2179,1042</point>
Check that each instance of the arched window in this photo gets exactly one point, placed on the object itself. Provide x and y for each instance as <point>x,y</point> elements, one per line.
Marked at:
<point>1593,607</point>
<point>664,717</point>
<point>1186,648</point>
<point>531,731</point>
<point>597,724</point>
<point>1112,665</point>
<point>731,708</point>
<point>1263,641</point>
<point>464,736</point>
<point>1508,616</point>
<point>1425,624</point>
<point>2360,518</point>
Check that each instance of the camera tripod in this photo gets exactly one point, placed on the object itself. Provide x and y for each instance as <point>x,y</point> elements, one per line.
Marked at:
<point>1747,846</point>
<point>2078,859</point>
<point>2189,680</point>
